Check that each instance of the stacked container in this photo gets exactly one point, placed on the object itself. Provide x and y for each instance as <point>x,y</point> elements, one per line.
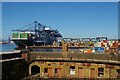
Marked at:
<point>23,35</point>
<point>14,35</point>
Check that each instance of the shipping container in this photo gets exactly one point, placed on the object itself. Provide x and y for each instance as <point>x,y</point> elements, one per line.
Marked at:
<point>88,51</point>
<point>99,49</point>
<point>23,35</point>
<point>15,35</point>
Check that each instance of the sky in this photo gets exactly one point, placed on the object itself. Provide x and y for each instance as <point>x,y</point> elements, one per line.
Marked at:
<point>71,19</point>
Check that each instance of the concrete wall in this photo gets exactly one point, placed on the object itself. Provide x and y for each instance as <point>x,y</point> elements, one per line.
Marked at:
<point>88,70</point>
<point>14,69</point>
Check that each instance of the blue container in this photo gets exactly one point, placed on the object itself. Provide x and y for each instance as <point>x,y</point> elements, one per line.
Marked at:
<point>99,49</point>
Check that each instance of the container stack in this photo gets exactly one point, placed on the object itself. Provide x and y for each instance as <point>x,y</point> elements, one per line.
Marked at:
<point>19,36</point>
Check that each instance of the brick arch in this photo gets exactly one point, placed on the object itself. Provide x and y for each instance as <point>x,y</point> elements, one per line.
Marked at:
<point>33,64</point>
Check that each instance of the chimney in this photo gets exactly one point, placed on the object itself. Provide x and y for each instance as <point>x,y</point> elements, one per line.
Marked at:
<point>64,49</point>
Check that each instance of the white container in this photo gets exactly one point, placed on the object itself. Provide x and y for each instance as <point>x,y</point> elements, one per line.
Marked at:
<point>93,51</point>
<point>47,28</point>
